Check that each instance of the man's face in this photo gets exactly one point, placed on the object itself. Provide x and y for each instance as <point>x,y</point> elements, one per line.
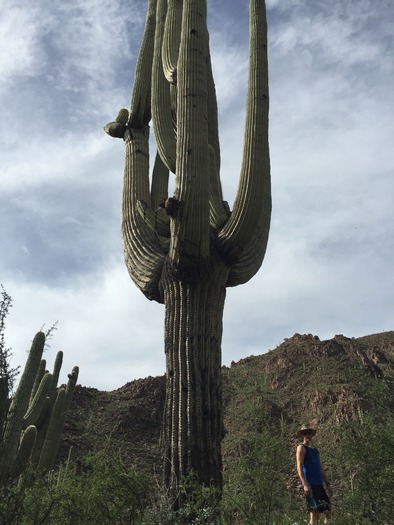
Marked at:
<point>307,434</point>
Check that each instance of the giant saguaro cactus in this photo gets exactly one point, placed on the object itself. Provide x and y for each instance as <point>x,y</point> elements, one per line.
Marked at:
<point>185,250</point>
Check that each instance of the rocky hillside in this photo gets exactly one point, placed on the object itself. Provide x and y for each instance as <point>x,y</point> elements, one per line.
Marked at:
<point>302,380</point>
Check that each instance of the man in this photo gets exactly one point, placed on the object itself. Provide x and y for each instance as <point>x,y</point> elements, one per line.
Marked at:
<point>312,476</point>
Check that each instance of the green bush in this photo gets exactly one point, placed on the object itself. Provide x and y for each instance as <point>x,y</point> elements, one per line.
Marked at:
<point>98,490</point>
<point>363,461</point>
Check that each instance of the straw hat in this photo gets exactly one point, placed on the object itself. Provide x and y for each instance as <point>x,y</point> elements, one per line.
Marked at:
<point>305,428</point>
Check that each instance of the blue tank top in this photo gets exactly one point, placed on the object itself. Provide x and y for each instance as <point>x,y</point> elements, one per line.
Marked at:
<point>311,467</point>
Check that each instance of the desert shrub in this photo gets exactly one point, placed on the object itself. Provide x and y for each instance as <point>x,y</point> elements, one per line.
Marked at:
<point>200,506</point>
<point>256,487</point>
<point>98,490</point>
<point>363,464</point>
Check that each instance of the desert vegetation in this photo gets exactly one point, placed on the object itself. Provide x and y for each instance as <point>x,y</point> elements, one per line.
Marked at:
<point>257,485</point>
<point>109,466</point>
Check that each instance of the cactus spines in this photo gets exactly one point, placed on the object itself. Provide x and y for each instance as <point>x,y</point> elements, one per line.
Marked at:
<point>188,258</point>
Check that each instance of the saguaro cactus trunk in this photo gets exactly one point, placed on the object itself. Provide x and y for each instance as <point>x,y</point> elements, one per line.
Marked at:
<point>185,250</point>
<point>193,333</point>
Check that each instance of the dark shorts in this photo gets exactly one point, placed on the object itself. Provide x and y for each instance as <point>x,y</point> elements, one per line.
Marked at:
<point>319,500</point>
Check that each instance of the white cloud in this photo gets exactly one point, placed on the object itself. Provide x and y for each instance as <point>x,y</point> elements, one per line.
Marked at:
<point>20,32</point>
<point>328,267</point>
<point>99,327</point>
<point>96,36</point>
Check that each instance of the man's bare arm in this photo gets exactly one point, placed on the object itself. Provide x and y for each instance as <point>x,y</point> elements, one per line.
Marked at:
<point>300,463</point>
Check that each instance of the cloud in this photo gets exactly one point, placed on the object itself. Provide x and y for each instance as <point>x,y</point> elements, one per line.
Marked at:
<point>328,269</point>
<point>99,327</point>
<point>20,29</point>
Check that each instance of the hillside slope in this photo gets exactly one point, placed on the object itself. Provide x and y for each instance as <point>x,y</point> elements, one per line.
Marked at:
<point>303,380</point>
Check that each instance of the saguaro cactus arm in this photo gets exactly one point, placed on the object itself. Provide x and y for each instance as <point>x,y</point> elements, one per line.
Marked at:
<point>171,40</point>
<point>19,404</point>
<point>56,372</point>
<point>40,374</point>
<point>213,125</point>
<point>190,241</point>
<point>155,215</point>
<point>56,424</point>
<point>252,257</point>
<point>24,451</point>
<point>143,251</point>
<point>252,205</point>
<point>144,255</point>
<point>49,445</point>
<point>140,108</point>
<point>159,187</point>
<point>162,114</point>
<point>218,209</point>
<point>38,402</point>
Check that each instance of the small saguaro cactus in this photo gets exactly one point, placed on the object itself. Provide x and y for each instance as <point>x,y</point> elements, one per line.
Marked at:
<point>34,422</point>
<point>185,250</point>
<point>57,421</point>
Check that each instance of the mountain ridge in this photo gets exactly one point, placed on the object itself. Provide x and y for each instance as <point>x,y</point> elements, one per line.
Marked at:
<point>302,380</point>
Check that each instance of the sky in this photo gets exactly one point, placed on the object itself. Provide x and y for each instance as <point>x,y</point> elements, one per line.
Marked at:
<point>66,68</point>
